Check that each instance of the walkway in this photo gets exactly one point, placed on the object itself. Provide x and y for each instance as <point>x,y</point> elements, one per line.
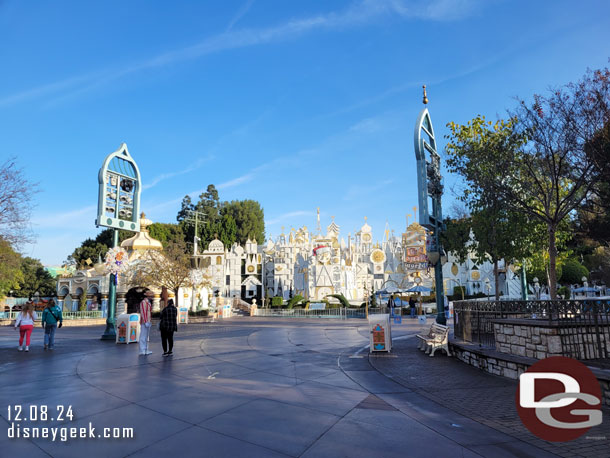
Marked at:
<point>255,387</point>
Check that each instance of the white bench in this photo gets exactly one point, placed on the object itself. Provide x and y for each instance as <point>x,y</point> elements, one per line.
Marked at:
<point>438,337</point>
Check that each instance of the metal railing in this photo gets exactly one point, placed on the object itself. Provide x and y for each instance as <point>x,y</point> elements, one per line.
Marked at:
<point>337,313</point>
<point>89,314</point>
<point>583,325</point>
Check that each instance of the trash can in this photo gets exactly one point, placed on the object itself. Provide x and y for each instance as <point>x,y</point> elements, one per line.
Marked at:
<point>128,328</point>
<point>380,332</point>
<point>183,315</point>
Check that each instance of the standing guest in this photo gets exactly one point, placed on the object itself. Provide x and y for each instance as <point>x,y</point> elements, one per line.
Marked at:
<point>51,320</point>
<point>168,325</point>
<point>145,323</point>
<point>412,306</point>
<point>25,323</point>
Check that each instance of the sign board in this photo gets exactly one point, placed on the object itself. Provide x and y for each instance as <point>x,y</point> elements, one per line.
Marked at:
<point>317,306</point>
<point>119,192</point>
<point>414,241</point>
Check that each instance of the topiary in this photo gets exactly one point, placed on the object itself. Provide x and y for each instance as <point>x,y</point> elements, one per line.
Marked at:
<point>573,271</point>
<point>294,301</point>
<point>277,301</point>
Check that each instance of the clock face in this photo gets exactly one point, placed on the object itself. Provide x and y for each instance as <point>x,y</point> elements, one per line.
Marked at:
<point>378,256</point>
<point>366,238</point>
<point>250,269</point>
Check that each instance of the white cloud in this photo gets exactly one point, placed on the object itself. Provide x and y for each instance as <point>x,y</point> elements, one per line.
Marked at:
<point>82,218</point>
<point>236,181</point>
<point>241,12</point>
<point>358,13</point>
<point>164,176</point>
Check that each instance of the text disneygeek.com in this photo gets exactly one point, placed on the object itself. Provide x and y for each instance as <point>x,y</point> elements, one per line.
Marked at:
<point>19,429</point>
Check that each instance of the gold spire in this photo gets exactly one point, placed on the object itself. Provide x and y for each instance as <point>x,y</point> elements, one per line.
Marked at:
<point>425,100</point>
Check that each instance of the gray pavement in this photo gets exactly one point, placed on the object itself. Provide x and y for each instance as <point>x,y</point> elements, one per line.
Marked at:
<point>256,387</point>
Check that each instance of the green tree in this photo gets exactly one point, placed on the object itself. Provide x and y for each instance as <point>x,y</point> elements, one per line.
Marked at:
<point>546,169</point>
<point>166,232</point>
<point>573,272</point>
<point>249,218</point>
<point>10,268</point>
<point>494,230</point>
<point>186,207</point>
<point>35,279</point>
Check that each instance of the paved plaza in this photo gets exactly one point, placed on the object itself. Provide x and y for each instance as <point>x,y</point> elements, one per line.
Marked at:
<point>260,387</point>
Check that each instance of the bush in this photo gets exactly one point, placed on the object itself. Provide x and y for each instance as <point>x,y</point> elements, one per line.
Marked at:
<point>564,291</point>
<point>294,301</point>
<point>199,313</point>
<point>277,301</point>
<point>573,271</point>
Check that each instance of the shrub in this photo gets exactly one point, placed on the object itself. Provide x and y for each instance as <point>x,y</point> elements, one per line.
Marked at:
<point>199,313</point>
<point>82,302</point>
<point>277,301</point>
<point>294,301</point>
<point>564,291</point>
<point>573,271</point>
<point>342,299</point>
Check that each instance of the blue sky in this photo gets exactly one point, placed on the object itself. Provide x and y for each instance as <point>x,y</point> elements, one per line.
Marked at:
<point>294,104</point>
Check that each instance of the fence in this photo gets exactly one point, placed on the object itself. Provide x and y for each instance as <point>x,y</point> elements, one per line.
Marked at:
<point>91,314</point>
<point>337,313</point>
<point>582,325</point>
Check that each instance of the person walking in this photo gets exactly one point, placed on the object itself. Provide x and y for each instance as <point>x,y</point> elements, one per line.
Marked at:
<point>25,323</point>
<point>51,320</point>
<point>145,323</point>
<point>168,325</point>
<point>412,306</point>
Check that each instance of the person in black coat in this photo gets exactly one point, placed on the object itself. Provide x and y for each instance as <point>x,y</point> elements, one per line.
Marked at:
<point>168,325</point>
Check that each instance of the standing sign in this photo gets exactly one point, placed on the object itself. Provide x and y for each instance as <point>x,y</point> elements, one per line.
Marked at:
<point>119,192</point>
<point>414,241</point>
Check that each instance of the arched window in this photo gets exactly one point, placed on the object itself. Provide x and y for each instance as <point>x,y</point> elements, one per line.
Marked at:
<point>218,260</point>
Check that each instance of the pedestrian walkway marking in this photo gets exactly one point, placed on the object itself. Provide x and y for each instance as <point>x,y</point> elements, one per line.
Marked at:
<point>212,376</point>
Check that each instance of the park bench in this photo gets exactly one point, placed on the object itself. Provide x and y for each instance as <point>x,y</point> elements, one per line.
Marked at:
<point>438,337</point>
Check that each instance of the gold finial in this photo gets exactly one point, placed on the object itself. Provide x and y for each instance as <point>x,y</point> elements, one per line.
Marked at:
<point>425,96</point>
<point>415,210</point>
<point>365,218</point>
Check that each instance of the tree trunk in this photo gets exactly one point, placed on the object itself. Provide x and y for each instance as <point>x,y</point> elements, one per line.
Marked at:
<point>552,261</point>
<point>176,296</point>
<point>496,280</point>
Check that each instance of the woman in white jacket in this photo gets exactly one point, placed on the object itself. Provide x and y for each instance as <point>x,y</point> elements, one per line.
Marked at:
<point>25,323</point>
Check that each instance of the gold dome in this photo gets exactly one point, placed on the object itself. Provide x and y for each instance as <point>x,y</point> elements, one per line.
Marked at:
<point>142,240</point>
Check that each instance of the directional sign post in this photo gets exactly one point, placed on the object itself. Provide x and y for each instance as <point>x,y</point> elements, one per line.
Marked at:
<point>117,207</point>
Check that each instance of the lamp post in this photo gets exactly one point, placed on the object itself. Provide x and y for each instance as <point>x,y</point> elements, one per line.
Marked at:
<point>429,185</point>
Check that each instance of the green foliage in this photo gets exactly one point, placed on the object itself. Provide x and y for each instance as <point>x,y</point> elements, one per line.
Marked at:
<point>277,301</point>
<point>10,268</point>
<point>235,221</point>
<point>35,279</point>
<point>373,300</point>
<point>249,219</point>
<point>166,232</point>
<point>573,271</point>
<point>82,302</point>
<point>342,299</point>
<point>294,301</point>
<point>564,291</point>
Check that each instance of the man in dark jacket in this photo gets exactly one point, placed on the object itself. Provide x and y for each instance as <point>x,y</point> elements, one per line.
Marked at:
<point>168,325</point>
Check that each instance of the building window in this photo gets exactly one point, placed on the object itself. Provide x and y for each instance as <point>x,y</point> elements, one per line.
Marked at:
<point>218,260</point>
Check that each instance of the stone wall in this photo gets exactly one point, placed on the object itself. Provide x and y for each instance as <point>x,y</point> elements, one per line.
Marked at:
<point>541,339</point>
<point>510,366</point>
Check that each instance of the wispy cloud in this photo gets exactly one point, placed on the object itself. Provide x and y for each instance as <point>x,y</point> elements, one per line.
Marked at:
<point>355,192</point>
<point>236,181</point>
<point>82,217</point>
<point>288,216</point>
<point>357,14</point>
<point>241,12</point>
<point>165,176</point>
